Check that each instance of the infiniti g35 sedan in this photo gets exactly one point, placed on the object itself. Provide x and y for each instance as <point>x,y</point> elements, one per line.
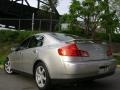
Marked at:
<point>58,56</point>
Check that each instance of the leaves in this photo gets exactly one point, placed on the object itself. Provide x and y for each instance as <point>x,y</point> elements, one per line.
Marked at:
<point>48,8</point>
<point>93,13</point>
<point>109,21</point>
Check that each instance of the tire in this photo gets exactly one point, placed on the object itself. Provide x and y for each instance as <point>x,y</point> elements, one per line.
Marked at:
<point>89,81</point>
<point>7,67</point>
<point>42,76</point>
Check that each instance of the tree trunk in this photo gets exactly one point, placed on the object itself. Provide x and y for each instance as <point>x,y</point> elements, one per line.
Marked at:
<point>94,32</point>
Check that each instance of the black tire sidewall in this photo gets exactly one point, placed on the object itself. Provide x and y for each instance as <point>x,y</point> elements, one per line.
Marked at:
<point>47,85</point>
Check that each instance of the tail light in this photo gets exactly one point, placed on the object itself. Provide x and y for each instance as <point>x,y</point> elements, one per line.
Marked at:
<point>109,51</point>
<point>72,50</point>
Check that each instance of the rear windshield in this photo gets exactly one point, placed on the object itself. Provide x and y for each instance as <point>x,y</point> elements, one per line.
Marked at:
<point>65,37</point>
<point>69,37</point>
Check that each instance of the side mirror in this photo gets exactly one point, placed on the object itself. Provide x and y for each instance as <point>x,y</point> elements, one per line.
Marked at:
<point>104,43</point>
<point>13,49</point>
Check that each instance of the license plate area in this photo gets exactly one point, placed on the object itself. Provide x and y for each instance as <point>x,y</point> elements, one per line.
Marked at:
<point>103,69</point>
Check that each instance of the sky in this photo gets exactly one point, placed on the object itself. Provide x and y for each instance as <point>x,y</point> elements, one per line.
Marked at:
<point>63,6</point>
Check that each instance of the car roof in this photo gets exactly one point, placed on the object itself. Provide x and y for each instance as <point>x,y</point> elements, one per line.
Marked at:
<point>47,33</point>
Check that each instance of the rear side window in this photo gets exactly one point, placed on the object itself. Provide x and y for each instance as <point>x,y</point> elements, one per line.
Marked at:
<point>36,41</point>
<point>65,37</point>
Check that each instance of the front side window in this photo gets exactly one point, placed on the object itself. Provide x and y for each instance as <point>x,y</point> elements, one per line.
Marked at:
<point>24,44</point>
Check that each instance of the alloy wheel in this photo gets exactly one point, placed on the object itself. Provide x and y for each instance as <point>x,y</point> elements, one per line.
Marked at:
<point>7,67</point>
<point>41,76</point>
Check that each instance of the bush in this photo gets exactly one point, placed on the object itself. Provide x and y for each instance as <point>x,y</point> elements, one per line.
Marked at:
<point>13,36</point>
<point>116,38</point>
<point>75,32</point>
<point>103,36</point>
<point>118,59</point>
<point>2,59</point>
<point>100,36</point>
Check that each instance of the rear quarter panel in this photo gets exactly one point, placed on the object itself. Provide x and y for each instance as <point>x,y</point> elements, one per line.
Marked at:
<point>49,55</point>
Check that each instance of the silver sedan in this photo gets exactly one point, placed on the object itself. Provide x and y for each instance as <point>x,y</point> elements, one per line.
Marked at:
<point>58,56</point>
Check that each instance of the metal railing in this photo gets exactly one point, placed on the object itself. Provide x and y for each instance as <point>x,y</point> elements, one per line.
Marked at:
<point>30,24</point>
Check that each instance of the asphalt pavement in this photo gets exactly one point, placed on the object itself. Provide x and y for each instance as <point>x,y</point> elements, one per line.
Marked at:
<point>21,82</point>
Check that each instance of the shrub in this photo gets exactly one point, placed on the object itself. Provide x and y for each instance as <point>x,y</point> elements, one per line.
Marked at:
<point>100,36</point>
<point>13,36</point>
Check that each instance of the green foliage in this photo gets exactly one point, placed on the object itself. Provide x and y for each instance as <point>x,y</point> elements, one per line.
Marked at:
<point>13,36</point>
<point>46,7</point>
<point>115,6</point>
<point>116,38</point>
<point>65,18</point>
<point>2,59</point>
<point>9,39</point>
<point>110,22</point>
<point>93,13</point>
<point>8,36</point>
<point>99,36</point>
<point>75,32</point>
<point>118,59</point>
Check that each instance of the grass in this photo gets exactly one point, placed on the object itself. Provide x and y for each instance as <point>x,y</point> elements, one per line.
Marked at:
<point>2,59</point>
<point>4,50</point>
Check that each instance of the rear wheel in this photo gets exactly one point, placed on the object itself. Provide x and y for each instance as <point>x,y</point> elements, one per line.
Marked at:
<point>7,67</point>
<point>42,76</point>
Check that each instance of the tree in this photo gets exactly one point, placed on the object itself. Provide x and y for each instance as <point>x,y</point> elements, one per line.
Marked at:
<point>109,20</point>
<point>73,23</point>
<point>47,7</point>
<point>115,6</point>
<point>93,13</point>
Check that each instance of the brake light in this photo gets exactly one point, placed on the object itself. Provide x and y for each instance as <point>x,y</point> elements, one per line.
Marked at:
<point>72,50</point>
<point>109,51</point>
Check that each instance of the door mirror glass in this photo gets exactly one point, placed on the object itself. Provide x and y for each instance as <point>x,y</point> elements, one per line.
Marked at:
<point>13,49</point>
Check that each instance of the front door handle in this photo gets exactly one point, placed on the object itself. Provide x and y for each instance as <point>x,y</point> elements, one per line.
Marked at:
<point>20,53</point>
<point>35,51</point>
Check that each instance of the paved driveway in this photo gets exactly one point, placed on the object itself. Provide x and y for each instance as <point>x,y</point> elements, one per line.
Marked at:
<point>20,82</point>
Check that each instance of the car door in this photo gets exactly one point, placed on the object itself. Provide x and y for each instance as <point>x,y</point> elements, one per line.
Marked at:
<point>17,64</point>
<point>30,54</point>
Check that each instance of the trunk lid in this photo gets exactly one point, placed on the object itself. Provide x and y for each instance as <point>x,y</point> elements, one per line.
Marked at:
<point>97,51</point>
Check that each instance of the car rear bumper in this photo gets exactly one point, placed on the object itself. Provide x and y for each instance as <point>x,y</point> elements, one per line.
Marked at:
<point>89,67</point>
<point>74,69</point>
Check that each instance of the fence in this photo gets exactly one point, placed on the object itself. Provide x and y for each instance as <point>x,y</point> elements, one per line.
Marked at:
<point>29,24</point>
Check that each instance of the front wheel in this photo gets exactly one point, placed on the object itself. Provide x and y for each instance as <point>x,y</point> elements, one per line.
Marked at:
<point>7,67</point>
<point>42,76</point>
